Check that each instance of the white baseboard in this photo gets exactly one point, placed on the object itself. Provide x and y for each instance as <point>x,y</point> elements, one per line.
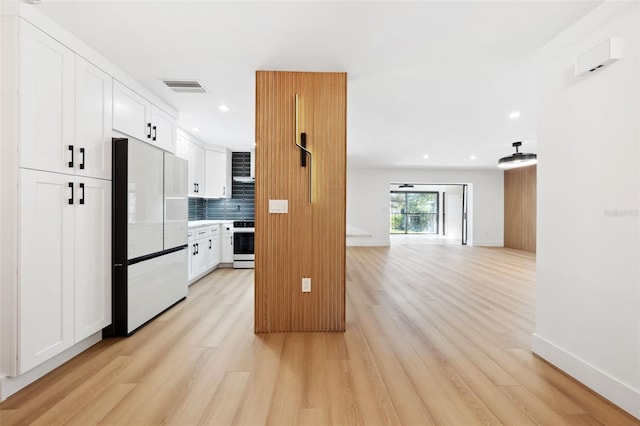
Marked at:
<point>367,242</point>
<point>487,244</point>
<point>619,393</point>
<point>11,385</point>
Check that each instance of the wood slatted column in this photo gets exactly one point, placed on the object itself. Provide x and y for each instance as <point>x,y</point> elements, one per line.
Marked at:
<point>308,241</point>
<point>520,208</point>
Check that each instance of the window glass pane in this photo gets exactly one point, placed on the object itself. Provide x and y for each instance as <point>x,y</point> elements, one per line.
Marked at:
<point>414,213</point>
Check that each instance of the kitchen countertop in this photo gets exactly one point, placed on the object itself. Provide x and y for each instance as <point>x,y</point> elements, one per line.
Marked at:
<point>197,223</point>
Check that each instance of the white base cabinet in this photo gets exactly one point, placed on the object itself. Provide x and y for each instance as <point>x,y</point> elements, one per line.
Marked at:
<point>204,254</point>
<point>64,276</point>
<point>227,243</point>
<point>213,247</point>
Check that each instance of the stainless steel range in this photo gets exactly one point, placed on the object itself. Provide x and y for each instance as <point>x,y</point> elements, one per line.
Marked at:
<point>243,254</point>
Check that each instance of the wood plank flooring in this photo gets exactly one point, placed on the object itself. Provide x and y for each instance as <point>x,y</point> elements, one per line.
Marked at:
<point>435,335</point>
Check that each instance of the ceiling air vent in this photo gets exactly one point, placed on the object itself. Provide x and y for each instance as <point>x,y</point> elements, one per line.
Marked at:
<point>185,86</point>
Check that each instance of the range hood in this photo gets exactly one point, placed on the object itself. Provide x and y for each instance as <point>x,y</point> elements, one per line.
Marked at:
<point>244,179</point>
<point>252,172</point>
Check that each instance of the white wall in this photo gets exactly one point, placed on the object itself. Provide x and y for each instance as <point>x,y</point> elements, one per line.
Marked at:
<point>368,201</point>
<point>588,278</point>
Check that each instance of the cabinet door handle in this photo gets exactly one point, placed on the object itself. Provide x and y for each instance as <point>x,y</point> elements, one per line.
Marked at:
<point>82,196</point>
<point>149,128</point>
<point>71,162</point>
<point>155,132</point>
<point>197,187</point>
<point>82,162</point>
<point>197,248</point>
<point>71,186</point>
<point>193,252</point>
<point>209,244</point>
<point>224,190</point>
<point>231,239</point>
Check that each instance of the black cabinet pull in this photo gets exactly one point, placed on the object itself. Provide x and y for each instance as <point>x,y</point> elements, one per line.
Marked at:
<point>197,248</point>
<point>209,244</point>
<point>82,163</point>
<point>149,128</point>
<point>71,149</point>
<point>193,252</point>
<point>82,196</point>
<point>155,132</point>
<point>71,186</point>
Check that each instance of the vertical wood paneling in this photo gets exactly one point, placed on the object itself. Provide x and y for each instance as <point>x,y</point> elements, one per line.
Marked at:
<point>520,208</point>
<point>309,241</point>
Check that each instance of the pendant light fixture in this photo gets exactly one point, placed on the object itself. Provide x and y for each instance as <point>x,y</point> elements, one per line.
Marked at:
<point>517,159</point>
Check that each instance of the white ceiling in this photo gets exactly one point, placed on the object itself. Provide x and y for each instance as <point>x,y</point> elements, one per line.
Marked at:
<point>424,77</point>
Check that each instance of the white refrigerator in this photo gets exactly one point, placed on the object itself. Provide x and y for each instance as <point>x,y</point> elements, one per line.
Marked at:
<point>150,214</point>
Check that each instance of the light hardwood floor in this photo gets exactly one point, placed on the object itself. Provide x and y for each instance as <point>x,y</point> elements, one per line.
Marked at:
<point>435,335</point>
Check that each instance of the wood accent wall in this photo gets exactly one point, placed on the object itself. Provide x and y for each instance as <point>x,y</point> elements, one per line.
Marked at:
<point>310,240</point>
<point>520,208</point>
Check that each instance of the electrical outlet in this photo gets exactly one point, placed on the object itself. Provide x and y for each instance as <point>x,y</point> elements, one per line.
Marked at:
<point>306,285</point>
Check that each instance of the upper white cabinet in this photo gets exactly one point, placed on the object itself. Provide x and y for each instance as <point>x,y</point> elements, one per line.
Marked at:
<point>66,106</point>
<point>135,116</point>
<point>131,113</point>
<point>195,156</point>
<point>46,85</point>
<point>93,121</point>
<point>218,174</point>
<point>163,129</point>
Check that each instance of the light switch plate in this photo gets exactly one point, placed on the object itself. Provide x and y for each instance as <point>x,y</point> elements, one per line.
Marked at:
<point>306,285</point>
<point>279,206</point>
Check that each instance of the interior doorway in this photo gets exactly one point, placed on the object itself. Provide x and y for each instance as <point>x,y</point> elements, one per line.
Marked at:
<point>428,213</point>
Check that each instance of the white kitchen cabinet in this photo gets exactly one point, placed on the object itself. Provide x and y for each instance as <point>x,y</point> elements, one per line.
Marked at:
<point>218,174</point>
<point>199,252</point>
<point>163,130</point>
<point>46,268</point>
<point>92,281</point>
<point>195,156</point>
<point>65,263</point>
<point>93,121</point>
<point>131,113</point>
<point>46,87</point>
<point>226,243</point>
<point>135,116</point>
<point>213,247</point>
<point>66,109</point>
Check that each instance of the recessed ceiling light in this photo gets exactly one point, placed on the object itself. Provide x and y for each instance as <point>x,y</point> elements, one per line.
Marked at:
<point>223,108</point>
<point>425,156</point>
<point>473,157</point>
<point>514,115</point>
<point>196,129</point>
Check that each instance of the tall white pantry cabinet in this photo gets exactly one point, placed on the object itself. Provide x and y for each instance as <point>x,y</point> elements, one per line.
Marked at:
<point>57,124</point>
